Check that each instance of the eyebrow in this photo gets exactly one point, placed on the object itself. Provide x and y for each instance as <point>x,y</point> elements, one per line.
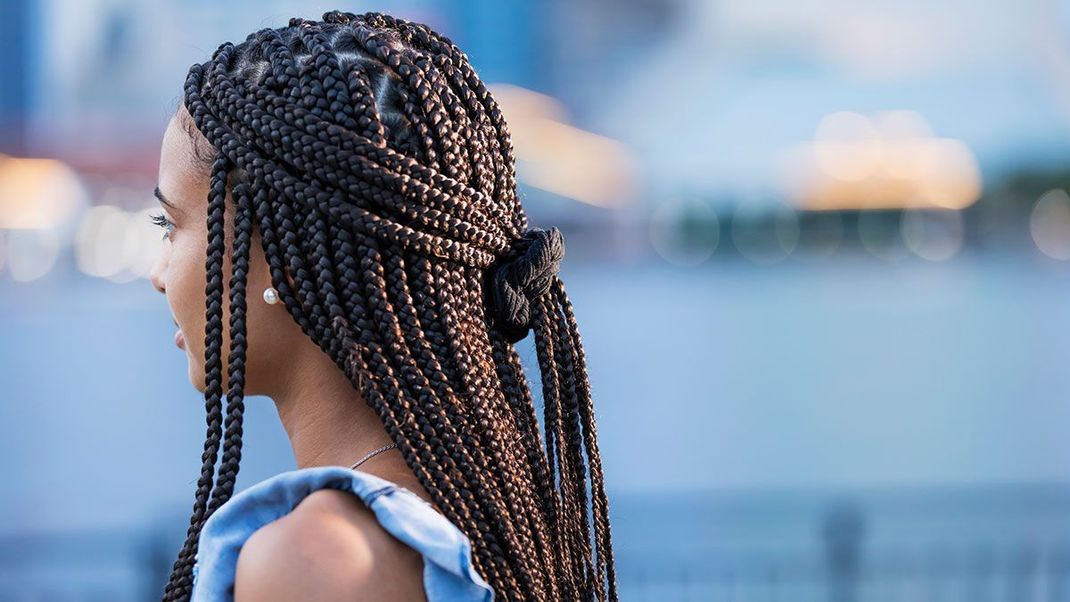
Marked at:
<point>159,195</point>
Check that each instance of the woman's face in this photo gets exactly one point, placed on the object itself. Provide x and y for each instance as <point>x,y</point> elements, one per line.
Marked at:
<point>179,272</point>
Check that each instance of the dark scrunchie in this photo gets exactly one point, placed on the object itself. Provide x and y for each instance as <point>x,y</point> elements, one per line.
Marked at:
<point>519,278</point>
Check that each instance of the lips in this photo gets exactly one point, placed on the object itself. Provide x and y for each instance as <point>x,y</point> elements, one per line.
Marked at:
<point>180,341</point>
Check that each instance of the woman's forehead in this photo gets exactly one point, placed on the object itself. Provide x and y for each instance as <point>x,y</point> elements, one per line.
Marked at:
<point>182,176</point>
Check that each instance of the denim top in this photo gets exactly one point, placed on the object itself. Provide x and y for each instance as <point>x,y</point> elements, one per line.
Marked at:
<point>448,573</point>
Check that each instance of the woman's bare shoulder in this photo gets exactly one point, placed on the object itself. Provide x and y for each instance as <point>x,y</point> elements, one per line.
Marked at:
<point>330,547</point>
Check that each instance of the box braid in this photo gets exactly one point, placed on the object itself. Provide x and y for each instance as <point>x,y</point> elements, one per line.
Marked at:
<point>379,171</point>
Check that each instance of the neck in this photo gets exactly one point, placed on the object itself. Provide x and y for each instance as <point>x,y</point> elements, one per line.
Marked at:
<point>325,417</point>
<point>329,423</point>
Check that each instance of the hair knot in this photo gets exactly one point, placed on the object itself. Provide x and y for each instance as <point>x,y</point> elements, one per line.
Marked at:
<point>521,276</point>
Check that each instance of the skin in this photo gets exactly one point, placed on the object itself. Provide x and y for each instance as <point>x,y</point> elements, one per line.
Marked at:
<point>331,540</point>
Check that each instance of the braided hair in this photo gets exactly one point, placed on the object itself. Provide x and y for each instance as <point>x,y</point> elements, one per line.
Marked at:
<point>379,171</point>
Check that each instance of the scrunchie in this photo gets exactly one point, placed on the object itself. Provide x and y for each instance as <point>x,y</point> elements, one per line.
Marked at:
<point>523,275</point>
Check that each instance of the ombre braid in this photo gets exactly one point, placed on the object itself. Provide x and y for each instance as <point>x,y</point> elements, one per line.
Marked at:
<point>379,172</point>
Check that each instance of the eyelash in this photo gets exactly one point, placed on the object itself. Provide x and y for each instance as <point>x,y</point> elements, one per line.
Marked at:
<point>160,220</point>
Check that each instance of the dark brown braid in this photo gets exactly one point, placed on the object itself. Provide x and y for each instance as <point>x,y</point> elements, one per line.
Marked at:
<point>379,172</point>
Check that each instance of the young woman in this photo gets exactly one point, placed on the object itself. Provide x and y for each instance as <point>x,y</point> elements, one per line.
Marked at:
<point>343,226</point>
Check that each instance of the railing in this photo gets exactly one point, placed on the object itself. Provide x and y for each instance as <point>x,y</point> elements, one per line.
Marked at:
<point>104,565</point>
<point>1023,564</point>
<point>1026,571</point>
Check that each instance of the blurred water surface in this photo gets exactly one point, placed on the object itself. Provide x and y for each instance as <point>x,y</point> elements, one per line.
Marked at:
<point>737,410</point>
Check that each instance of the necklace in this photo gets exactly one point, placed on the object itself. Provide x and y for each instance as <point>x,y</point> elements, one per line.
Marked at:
<point>372,453</point>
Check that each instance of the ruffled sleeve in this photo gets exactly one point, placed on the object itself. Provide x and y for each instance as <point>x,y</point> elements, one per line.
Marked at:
<point>449,575</point>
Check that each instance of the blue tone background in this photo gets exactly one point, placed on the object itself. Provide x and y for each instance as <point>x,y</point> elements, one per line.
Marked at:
<point>855,401</point>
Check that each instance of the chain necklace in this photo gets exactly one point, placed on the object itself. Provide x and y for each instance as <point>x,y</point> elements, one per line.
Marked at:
<point>372,453</point>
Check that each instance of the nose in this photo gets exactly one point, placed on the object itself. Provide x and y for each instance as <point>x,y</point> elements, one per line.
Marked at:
<point>156,273</point>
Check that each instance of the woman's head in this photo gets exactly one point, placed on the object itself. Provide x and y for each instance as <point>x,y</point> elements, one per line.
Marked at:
<point>360,167</point>
<point>180,270</point>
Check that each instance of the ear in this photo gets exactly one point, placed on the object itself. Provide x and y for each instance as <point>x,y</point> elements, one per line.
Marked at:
<point>259,271</point>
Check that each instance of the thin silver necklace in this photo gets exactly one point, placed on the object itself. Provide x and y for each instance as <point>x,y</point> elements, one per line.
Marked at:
<point>372,453</point>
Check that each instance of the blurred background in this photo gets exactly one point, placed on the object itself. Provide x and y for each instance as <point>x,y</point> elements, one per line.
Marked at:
<point>818,253</point>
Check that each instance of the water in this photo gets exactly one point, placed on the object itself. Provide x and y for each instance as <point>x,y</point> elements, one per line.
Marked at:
<point>736,405</point>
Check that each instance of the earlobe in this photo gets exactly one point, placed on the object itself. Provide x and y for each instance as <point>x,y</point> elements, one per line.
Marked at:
<point>260,279</point>
<point>271,294</point>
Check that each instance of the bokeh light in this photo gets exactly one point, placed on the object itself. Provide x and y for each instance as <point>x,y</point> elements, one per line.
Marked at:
<point>1049,224</point>
<point>684,230</point>
<point>38,193</point>
<point>143,242</point>
<point>889,160</point>
<point>847,146</point>
<point>31,253</point>
<point>762,236</point>
<point>933,235</point>
<point>881,235</point>
<point>110,243</point>
<point>559,157</point>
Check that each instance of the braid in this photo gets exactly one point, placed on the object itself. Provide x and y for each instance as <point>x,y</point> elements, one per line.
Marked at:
<point>379,172</point>
<point>228,471</point>
<point>181,584</point>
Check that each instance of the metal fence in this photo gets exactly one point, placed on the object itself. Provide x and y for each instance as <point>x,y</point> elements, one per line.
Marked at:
<point>840,565</point>
<point>1026,571</point>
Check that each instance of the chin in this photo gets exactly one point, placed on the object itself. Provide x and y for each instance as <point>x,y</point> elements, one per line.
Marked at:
<point>196,378</point>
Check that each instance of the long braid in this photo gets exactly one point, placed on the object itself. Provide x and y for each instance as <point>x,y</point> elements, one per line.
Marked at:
<point>380,174</point>
<point>600,508</point>
<point>232,444</point>
<point>180,584</point>
<point>551,389</point>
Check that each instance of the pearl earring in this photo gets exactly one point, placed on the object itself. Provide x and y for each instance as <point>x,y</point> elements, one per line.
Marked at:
<point>271,296</point>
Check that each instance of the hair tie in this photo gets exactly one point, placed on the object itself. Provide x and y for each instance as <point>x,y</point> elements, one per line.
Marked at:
<point>520,277</point>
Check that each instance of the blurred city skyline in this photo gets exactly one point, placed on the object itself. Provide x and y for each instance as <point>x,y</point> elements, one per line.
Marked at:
<point>762,76</point>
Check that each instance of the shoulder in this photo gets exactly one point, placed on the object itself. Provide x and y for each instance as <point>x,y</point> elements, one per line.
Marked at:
<point>330,547</point>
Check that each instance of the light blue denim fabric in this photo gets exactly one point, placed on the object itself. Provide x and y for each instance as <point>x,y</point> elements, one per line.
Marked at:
<point>448,572</point>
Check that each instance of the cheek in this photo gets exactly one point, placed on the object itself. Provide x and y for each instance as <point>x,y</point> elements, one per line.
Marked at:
<point>185,291</point>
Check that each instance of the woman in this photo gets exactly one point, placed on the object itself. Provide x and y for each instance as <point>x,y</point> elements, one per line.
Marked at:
<point>356,178</point>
